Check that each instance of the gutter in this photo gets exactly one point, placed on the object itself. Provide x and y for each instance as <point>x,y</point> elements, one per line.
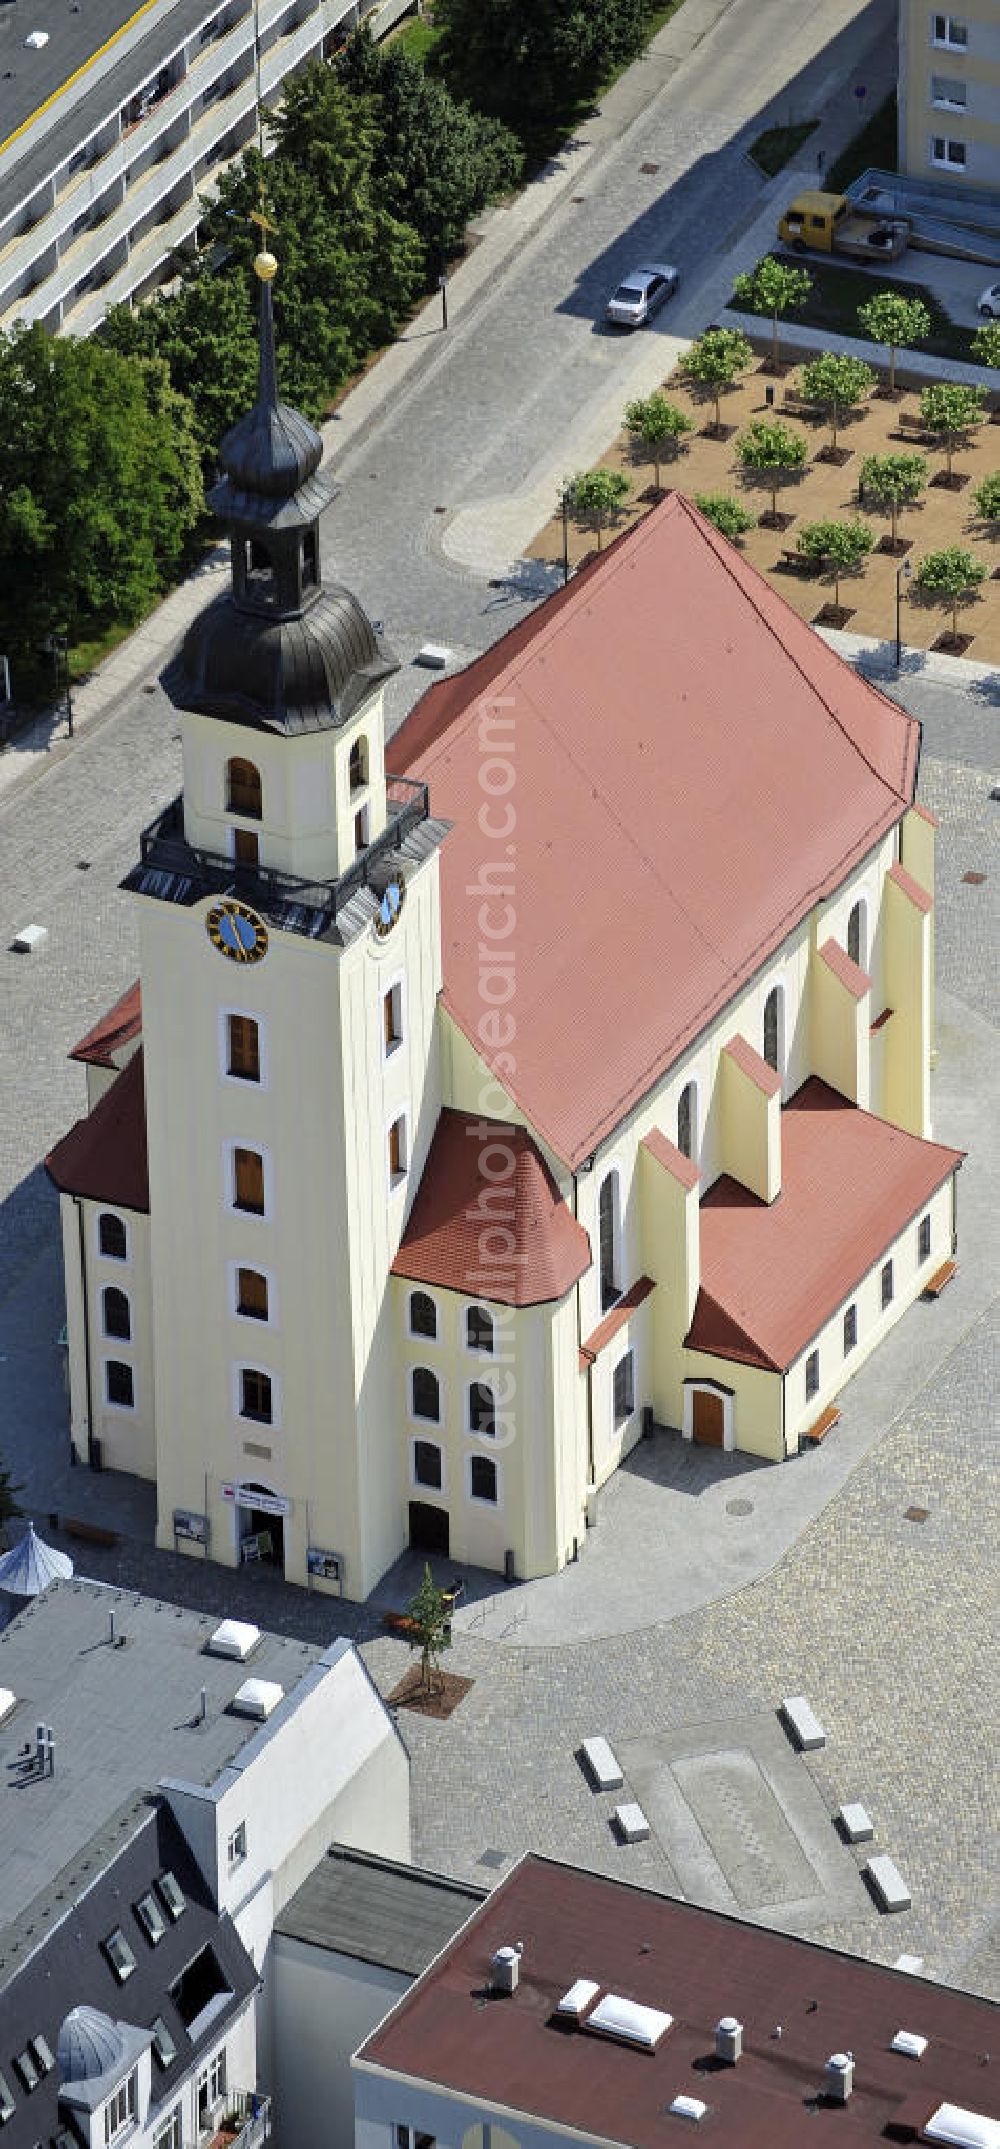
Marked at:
<point>591,1478</point>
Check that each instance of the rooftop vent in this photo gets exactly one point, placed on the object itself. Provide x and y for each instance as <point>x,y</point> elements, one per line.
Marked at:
<point>838,2077</point>
<point>506,1968</point>
<point>576,2001</point>
<point>235,1638</point>
<point>909,2042</point>
<point>629,2023</point>
<point>37,40</point>
<point>8,1701</point>
<point>951,2123</point>
<point>688,2107</point>
<point>729,2040</point>
<point>257,1698</point>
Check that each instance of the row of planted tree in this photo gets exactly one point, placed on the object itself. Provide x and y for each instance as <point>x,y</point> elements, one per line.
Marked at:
<point>772,454</point>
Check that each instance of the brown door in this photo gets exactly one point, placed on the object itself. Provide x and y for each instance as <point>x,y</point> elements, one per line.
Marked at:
<point>709,1418</point>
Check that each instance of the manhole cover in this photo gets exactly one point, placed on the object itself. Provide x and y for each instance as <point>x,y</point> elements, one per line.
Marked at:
<point>916,1514</point>
<point>650,168</point>
<point>739,1507</point>
<point>494,1859</point>
<point>974,880</point>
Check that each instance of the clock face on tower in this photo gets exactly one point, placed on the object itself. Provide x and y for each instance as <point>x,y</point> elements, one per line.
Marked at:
<point>237,931</point>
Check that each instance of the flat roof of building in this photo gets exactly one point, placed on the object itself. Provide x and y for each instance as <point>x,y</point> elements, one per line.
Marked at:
<point>798,2003</point>
<point>124,1714</point>
<point>377,1910</point>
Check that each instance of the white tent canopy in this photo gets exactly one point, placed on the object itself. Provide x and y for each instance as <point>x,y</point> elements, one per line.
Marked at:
<point>31,1565</point>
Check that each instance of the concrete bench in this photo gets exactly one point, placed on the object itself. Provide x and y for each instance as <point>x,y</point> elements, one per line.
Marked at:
<point>805,1728</point>
<point>602,1765</point>
<point>891,1891</point>
<point>856,1824</point>
<point>940,1279</point>
<point>825,1423</point>
<point>631,1823</point>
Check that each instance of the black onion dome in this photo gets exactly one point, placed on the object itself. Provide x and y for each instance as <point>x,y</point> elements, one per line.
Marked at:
<point>273,449</point>
<point>304,673</point>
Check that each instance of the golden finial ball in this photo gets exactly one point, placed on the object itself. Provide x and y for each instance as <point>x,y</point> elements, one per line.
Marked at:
<point>265,267</point>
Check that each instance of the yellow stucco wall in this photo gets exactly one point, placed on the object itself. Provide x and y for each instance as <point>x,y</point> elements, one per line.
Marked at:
<point>751,1130</point>
<point>840,1029</point>
<point>906,1038</point>
<point>974,67</point>
<point>308,808</point>
<point>127,1436</point>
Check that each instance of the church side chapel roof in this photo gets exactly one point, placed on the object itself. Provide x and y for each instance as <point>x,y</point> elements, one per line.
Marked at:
<point>481,1175</point>
<point>693,770</point>
<point>119,1027</point>
<point>103,1157</point>
<point>772,1275</point>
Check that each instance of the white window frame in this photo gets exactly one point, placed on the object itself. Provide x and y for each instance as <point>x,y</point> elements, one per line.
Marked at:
<point>170,2133</point>
<point>945,42</point>
<point>474,1432</point>
<point>476,1499</point>
<point>395,1184</point>
<point>415,1416</point>
<point>236,1854</point>
<point>438,1492</point>
<point>235,1081</point>
<point>107,1333</point>
<point>618,1424</point>
<point>253,1365</point>
<point>120,1261</point>
<point>940,102</point>
<point>471,1350</point>
<point>213,2078</point>
<point>127,1410</point>
<point>127,2096</point>
<point>253,1321</point>
<point>396,982</point>
<point>945,162</point>
<point>415,1334</point>
<point>247,1216</point>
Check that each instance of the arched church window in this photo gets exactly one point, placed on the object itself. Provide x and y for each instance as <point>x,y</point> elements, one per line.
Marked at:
<point>774,1023</point>
<point>357,767</point>
<point>243,788</point>
<point>609,1234</point>
<point>687,1121</point>
<point>857,935</point>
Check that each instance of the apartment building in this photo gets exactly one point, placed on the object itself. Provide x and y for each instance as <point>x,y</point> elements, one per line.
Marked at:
<point>114,119</point>
<point>949,92</point>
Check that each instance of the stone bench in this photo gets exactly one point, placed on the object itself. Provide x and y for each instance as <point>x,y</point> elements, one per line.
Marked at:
<point>890,1889</point>
<point>805,1728</point>
<point>631,1823</point>
<point>602,1765</point>
<point>856,1823</point>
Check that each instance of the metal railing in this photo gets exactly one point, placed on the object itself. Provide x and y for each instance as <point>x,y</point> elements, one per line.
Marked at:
<point>242,2116</point>
<point>163,846</point>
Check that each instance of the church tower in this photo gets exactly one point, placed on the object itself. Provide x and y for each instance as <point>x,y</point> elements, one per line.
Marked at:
<point>290,940</point>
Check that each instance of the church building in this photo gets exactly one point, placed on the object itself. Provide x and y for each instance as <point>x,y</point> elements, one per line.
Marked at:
<point>556,1073</point>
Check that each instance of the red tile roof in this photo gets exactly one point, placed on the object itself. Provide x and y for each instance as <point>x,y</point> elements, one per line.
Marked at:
<point>104,1156</point>
<point>121,1024</point>
<point>672,1159</point>
<point>692,769</point>
<point>910,888</point>
<point>772,1274</point>
<point>489,1220</point>
<point>837,959</point>
<point>602,1335</point>
<point>756,1069</point>
<point>696,1965</point>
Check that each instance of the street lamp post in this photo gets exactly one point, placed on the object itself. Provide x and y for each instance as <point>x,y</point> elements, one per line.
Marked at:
<point>903,573</point>
<point>443,288</point>
<point>61,642</point>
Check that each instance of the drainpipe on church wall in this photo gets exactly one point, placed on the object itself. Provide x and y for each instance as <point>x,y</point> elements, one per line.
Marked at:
<point>591,1477</point>
<point>85,1306</point>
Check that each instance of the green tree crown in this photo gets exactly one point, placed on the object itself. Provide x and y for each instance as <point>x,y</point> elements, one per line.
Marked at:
<point>951,410</point>
<point>430,1613</point>
<point>890,317</point>
<point>986,345</point>
<point>772,286</point>
<point>836,383</point>
<point>987,497</point>
<point>728,514</point>
<point>893,480</point>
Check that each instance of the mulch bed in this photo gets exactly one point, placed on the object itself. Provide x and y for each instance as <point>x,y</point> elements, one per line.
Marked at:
<point>448,1691</point>
<point>775,522</point>
<point>953,645</point>
<point>896,548</point>
<point>837,456</point>
<point>834,615</point>
<point>956,482</point>
<point>717,432</point>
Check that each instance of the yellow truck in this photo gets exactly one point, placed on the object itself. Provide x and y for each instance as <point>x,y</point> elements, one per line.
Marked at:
<point>830,224</point>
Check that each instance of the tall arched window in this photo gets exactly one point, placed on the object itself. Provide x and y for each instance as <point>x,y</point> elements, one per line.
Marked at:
<point>112,1237</point>
<point>482,1409</point>
<point>117,1313</point>
<point>479,1329</point>
<point>426,1393</point>
<point>357,766</point>
<point>687,1121</point>
<point>243,788</point>
<point>423,1315</point>
<point>609,1234</point>
<point>857,934</point>
<point>774,1024</point>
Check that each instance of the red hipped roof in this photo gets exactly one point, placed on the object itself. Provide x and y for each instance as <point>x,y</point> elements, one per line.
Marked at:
<point>489,1220</point>
<point>680,770</point>
<point>103,1157</point>
<point>771,1275</point>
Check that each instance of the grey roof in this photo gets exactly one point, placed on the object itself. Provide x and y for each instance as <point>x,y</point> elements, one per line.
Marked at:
<point>272,451</point>
<point>31,1565</point>
<point>123,1718</point>
<point>307,672</point>
<point>91,2045</point>
<point>378,1911</point>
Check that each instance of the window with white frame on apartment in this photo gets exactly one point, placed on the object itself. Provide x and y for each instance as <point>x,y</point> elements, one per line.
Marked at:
<point>949,93</point>
<point>411,2138</point>
<point>950,31</point>
<point>170,2135</point>
<point>947,152</point>
<point>623,1388</point>
<point>120,2110</point>
<point>236,1846</point>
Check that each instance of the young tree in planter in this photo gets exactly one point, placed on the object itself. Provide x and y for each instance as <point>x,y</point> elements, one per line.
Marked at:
<point>836,384</point>
<point>430,1613</point>
<point>951,411</point>
<point>728,514</point>
<point>893,482</point>
<point>895,320</point>
<point>985,346</point>
<point>715,363</point>
<point>660,425</point>
<point>596,498</point>
<point>773,287</point>
<point>769,452</point>
<point>986,499</point>
<point>950,577</point>
<point>840,547</point>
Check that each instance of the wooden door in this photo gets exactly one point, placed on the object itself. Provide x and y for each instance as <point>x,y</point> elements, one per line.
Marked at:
<point>708,1418</point>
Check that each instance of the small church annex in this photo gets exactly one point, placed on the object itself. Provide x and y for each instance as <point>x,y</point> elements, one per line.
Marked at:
<point>557,1070</point>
